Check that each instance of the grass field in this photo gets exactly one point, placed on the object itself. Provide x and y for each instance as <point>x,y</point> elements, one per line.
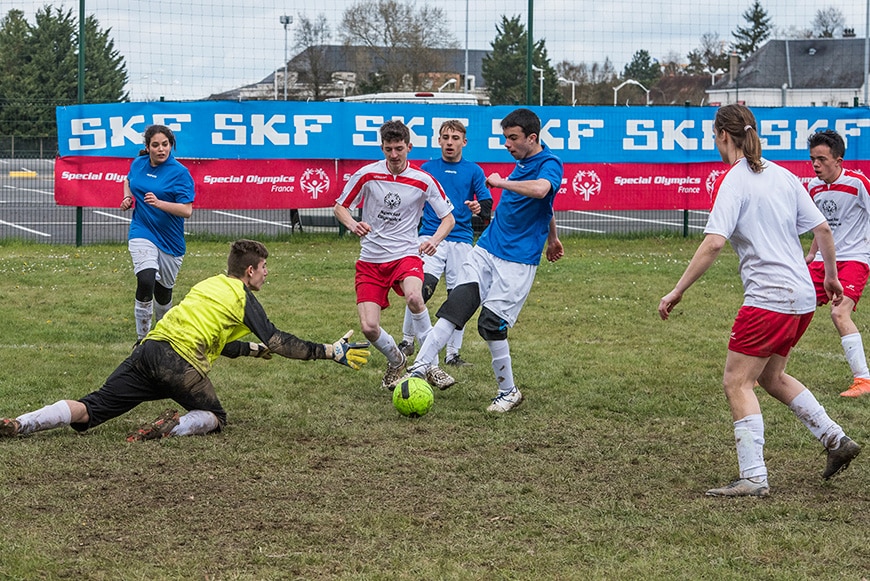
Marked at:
<point>600,474</point>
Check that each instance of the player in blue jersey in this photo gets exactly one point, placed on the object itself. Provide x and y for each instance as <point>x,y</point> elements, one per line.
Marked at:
<point>500,269</point>
<point>464,183</point>
<point>160,191</point>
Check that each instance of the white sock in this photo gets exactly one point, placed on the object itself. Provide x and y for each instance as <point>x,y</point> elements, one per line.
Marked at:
<point>853,347</point>
<point>143,311</point>
<point>195,423</point>
<point>387,345</point>
<point>408,327</point>
<point>501,364</point>
<point>811,413</point>
<point>455,342</point>
<point>56,415</point>
<point>422,324</point>
<point>160,310</point>
<point>435,342</point>
<point>749,439</point>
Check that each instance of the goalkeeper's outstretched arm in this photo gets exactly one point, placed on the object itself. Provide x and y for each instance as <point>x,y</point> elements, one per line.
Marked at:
<point>288,345</point>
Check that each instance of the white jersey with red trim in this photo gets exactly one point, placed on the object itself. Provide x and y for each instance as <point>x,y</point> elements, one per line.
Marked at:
<point>763,215</point>
<point>392,205</point>
<point>846,205</point>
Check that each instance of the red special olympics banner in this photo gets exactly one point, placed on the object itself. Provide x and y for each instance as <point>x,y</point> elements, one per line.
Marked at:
<point>284,184</point>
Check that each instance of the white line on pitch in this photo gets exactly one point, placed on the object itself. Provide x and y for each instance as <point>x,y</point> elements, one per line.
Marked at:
<point>112,216</point>
<point>562,227</point>
<point>628,219</point>
<point>282,224</point>
<point>25,229</point>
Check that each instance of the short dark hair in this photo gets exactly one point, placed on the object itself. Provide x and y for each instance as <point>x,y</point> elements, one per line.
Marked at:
<point>395,130</point>
<point>525,120</point>
<point>245,253</point>
<point>830,138</point>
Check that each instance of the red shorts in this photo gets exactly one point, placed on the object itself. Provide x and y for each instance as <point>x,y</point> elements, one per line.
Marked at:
<point>852,275</point>
<point>374,280</point>
<point>762,333</point>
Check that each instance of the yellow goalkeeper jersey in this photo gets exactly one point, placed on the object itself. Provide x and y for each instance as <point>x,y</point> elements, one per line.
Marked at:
<point>210,316</point>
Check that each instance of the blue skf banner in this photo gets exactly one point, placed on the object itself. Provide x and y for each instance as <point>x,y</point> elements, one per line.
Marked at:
<point>310,131</point>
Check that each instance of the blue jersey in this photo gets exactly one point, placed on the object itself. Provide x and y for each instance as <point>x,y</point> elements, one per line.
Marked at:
<point>462,181</point>
<point>171,182</point>
<point>520,224</point>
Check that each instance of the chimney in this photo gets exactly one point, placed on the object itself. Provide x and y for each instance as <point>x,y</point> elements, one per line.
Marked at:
<point>733,62</point>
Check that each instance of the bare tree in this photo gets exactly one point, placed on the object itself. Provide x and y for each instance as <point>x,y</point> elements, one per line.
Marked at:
<point>828,22</point>
<point>401,39</point>
<point>312,38</point>
<point>795,32</point>
<point>673,65</point>
<point>592,84</point>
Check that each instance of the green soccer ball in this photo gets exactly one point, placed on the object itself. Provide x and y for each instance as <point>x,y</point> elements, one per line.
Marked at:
<point>413,397</point>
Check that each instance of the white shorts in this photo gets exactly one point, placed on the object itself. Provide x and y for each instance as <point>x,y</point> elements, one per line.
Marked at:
<point>447,260</point>
<point>504,285</point>
<point>146,255</point>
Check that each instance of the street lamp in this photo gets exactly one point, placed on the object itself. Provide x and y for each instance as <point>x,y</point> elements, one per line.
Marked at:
<point>285,20</point>
<point>630,82</point>
<point>573,83</point>
<point>447,84</point>
<point>713,74</point>
<point>539,70</point>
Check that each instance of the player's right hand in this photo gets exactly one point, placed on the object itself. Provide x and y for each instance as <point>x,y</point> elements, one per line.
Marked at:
<point>668,302</point>
<point>354,355</point>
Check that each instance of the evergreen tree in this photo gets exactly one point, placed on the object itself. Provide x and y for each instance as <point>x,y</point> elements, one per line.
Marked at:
<point>39,69</point>
<point>642,69</point>
<point>749,38</point>
<point>504,69</point>
<point>14,34</point>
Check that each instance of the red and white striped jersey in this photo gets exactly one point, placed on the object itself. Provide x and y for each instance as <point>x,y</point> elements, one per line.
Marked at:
<point>392,205</point>
<point>846,206</point>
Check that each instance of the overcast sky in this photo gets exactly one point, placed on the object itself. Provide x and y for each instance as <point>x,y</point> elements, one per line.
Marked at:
<point>189,49</point>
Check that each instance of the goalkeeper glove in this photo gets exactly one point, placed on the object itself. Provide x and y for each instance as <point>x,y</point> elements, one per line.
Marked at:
<point>259,350</point>
<point>353,355</point>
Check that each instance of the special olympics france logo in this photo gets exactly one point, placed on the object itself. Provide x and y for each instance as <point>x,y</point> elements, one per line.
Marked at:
<point>586,183</point>
<point>711,181</point>
<point>314,181</point>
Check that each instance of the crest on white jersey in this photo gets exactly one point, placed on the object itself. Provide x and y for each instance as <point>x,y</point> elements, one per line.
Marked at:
<point>392,200</point>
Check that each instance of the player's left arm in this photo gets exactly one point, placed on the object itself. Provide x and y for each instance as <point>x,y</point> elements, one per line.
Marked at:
<point>443,207</point>
<point>703,259</point>
<point>537,188</point>
<point>549,179</point>
<point>182,190</point>
<point>482,207</point>
<point>235,349</point>
<point>287,345</point>
<point>555,251</point>
<point>485,211</point>
<point>430,246</point>
<point>824,237</point>
<point>174,208</point>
